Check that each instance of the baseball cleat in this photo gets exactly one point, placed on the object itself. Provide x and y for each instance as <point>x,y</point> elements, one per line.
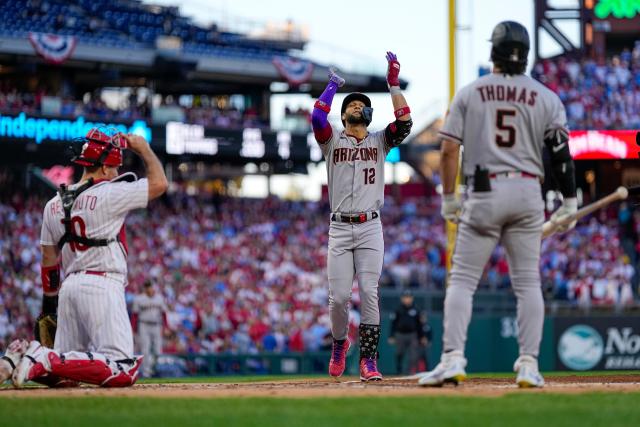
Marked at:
<point>449,370</point>
<point>338,360</point>
<point>11,358</point>
<point>369,370</point>
<point>34,364</point>
<point>528,374</point>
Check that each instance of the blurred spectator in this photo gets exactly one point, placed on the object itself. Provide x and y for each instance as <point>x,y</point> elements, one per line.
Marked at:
<point>597,94</point>
<point>245,275</point>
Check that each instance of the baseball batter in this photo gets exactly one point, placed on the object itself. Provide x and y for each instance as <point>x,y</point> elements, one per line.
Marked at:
<point>150,310</point>
<point>83,226</point>
<point>503,120</point>
<point>355,168</point>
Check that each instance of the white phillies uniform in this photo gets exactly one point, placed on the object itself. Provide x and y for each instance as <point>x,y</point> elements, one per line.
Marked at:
<point>150,318</point>
<point>92,313</point>
<point>355,172</point>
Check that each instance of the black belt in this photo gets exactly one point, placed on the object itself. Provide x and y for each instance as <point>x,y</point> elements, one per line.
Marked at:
<point>355,218</point>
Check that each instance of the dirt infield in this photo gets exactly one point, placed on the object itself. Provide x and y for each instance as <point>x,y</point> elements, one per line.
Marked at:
<point>489,387</point>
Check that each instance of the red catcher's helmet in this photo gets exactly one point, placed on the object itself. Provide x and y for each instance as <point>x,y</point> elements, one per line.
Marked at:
<point>101,146</point>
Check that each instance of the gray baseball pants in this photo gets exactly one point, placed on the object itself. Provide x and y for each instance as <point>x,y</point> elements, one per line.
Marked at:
<point>355,250</point>
<point>511,213</point>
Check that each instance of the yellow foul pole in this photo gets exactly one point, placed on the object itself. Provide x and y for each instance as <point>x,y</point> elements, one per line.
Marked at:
<point>451,227</point>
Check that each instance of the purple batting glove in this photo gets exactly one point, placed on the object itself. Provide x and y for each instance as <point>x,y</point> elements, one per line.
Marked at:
<point>393,70</point>
<point>335,78</point>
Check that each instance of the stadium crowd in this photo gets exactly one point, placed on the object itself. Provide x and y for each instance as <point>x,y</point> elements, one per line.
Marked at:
<point>205,111</point>
<point>597,94</point>
<point>245,275</point>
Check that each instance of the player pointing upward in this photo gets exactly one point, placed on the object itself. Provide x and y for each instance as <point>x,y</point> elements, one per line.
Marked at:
<point>503,120</point>
<point>355,168</point>
<point>84,227</point>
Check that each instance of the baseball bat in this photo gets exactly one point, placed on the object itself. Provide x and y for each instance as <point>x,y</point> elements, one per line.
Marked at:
<point>550,227</point>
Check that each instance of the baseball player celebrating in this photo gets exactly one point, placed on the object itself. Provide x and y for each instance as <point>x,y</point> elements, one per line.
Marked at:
<point>150,313</point>
<point>355,168</point>
<point>503,120</point>
<point>84,226</point>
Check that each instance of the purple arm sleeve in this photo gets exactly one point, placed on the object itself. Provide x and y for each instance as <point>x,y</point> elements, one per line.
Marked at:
<point>319,122</point>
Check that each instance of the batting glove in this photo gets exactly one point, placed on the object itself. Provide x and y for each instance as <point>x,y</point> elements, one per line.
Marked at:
<point>569,207</point>
<point>450,207</point>
<point>335,78</point>
<point>393,70</point>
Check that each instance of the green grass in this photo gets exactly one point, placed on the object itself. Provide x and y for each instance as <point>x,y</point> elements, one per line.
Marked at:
<point>596,409</point>
<point>252,378</point>
<point>513,409</point>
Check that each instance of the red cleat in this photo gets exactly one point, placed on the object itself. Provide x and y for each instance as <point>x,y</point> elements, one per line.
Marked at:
<point>369,370</point>
<point>338,358</point>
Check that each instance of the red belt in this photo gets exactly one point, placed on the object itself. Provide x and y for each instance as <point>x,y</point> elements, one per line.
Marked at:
<point>95,273</point>
<point>513,174</point>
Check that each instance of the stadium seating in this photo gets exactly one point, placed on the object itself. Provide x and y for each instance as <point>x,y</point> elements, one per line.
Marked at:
<point>127,24</point>
<point>596,94</point>
<point>243,275</point>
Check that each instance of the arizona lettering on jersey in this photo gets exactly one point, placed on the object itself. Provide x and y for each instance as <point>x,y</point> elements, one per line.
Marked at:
<point>98,213</point>
<point>355,171</point>
<point>352,154</point>
<point>501,120</point>
<point>149,309</point>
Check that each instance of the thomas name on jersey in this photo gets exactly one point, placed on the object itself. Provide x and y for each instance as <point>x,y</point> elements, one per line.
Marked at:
<point>508,94</point>
<point>352,154</point>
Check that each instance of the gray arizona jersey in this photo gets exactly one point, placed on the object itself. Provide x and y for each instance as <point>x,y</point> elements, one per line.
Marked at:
<point>502,120</point>
<point>355,171</point>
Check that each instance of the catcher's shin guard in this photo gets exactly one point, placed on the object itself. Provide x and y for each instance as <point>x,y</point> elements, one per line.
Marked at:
<point>95,369</point>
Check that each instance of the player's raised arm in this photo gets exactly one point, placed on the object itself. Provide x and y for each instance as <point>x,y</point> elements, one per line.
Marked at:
<point>397,131</point>
<point>158,183</point>
<point>321,127</point>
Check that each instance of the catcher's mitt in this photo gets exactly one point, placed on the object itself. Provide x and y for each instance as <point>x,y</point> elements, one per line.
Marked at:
<point>45,329</point>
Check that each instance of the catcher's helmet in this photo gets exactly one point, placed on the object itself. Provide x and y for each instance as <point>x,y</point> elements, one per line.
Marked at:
<point>101,146</point>
<point>357,96</point>
<point>510,42</point>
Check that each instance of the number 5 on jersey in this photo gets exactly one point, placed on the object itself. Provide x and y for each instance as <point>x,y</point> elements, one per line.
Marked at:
<point>369,175</point>
<point>508,140</point>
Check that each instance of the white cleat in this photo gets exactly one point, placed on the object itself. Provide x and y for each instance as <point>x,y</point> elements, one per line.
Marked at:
<point>34,363</point>
<point>449,370</point>
<point>11,358</point>
<point>528,374</point>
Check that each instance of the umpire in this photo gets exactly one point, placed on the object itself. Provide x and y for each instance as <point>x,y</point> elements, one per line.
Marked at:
<point>409,333</point>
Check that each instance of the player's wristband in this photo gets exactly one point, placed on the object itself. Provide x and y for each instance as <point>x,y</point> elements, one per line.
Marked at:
<point>50,276</point>
<point>395,90</point>
<point>49,304</point>
<point>402,111</point>
<point>322,106</point>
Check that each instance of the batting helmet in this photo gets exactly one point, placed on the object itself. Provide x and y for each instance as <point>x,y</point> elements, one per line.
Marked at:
<point>357,96</point>
<point>510,43</point>
<point>101,146</point>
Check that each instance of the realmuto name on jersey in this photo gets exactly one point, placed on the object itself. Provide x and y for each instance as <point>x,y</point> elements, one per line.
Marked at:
<point>508,94</point>
<point>83,202</point>
<point>345,154</point>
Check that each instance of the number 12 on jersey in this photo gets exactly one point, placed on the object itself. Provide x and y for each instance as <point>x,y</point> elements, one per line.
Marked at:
<point>369,175</point>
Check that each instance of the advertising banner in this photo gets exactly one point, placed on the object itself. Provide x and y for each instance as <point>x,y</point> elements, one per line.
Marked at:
<point>603,144</point>
<point>597,343</point>
<point>45,129</point>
